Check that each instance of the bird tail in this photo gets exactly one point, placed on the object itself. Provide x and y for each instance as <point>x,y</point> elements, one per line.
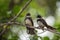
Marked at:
<point>52,28</point>
<point>31,31</point>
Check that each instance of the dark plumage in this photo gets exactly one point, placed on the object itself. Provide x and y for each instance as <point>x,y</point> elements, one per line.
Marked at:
<point>29,23</point>
<point>42,23</point>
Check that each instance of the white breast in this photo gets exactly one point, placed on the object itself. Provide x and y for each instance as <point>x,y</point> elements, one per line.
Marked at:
<point>40,23</point>
<point>28,22</point>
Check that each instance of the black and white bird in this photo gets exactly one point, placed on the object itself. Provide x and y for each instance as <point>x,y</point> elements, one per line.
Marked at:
<point>42,23</point>
<point>29,23</point>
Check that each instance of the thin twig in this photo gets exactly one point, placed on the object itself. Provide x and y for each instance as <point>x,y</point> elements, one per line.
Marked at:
<point>11,23</point>
<point>19,13</point>
<point>53,31</point>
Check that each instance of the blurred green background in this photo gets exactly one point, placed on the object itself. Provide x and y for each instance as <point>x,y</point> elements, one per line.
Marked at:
<point>48,9</point>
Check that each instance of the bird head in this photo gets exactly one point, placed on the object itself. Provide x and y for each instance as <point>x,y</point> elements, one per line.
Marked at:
<point>28,15</point>
<point>39,16</point>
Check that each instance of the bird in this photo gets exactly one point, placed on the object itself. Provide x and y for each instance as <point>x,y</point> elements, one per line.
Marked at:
<point>42,23</point>
<point>29,23</point>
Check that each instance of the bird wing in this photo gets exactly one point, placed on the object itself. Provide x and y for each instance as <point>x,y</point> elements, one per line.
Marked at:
<point>43,21</point>
<point>40,23</point>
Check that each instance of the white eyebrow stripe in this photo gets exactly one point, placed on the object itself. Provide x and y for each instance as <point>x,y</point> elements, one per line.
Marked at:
<point>28,16</point>
<point>39,18</point>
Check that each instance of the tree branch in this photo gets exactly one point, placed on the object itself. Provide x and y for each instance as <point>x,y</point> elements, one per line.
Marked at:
<point>18,14</point>
<point>11,23</point>
<point>17,23</point>
<point>53,31</point>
